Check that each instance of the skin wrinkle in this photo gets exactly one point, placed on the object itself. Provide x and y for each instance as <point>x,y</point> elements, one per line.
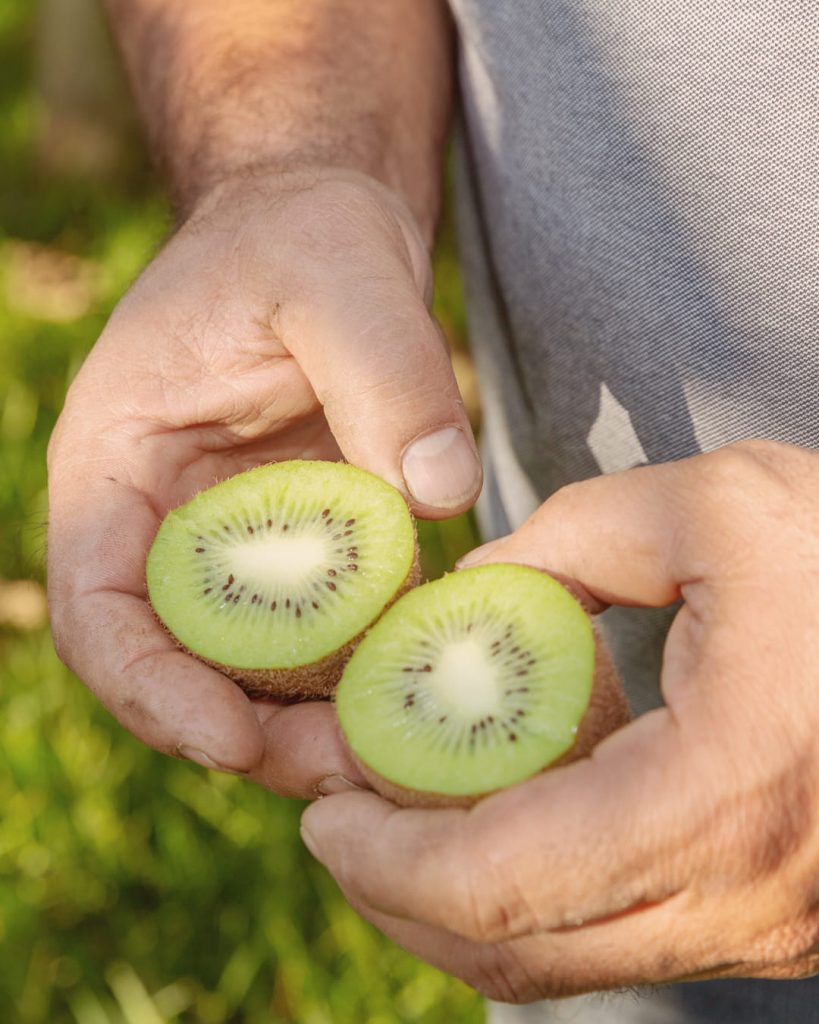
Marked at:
<point>168,413</point>
<point>501,976</point>
<point>636,908</point>
<point>142,656</point>
<point>536,955</point>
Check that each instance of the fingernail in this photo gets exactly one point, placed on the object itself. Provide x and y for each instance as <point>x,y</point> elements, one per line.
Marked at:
<point>310,842</point>
<point>441,469</point>
<point>200,757</point>
<point>479,554</point>
<point>332,784</point>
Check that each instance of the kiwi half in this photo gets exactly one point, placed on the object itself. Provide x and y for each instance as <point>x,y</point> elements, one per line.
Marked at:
<point>273,575</point>
<point>474,682</point>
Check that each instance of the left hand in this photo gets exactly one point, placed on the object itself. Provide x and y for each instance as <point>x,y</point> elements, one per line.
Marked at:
<point>285,319</point>
<point>687,845</point>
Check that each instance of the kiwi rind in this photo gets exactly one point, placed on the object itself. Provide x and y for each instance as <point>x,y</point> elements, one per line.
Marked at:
<point>606,711</point>
<point>301,679</point>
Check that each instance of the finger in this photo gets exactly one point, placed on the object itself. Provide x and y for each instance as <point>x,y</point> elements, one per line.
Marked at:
<point>304,755</point>
<point>575,844</point>
<point>679,938</point>
<point>105,631</point>
<point>358,327</point>
<point>658,945</point>
<point>163,696</point>
<point>645,536</point>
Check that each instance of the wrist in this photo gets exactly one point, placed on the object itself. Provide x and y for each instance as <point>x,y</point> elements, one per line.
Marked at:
<point>273,174</point>
<point>308,206</point>
<point>226,87</point>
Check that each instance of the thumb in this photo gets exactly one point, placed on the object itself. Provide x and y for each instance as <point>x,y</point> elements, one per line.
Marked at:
<point>378,363</point>
<point>625,538</point>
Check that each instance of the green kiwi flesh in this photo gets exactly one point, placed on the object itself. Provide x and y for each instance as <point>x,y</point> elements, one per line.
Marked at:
<point>475,682</point>
<point>271,576</point>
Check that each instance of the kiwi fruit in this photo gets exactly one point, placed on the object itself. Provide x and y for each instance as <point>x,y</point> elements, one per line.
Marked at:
<point>475,682</point>
<point>273,575</point>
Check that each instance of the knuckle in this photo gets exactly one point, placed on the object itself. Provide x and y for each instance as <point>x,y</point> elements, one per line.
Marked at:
<point>744,466</point>
<point>740,491</point>
<point>557,509</point>
<point>495,908</point>
<point>795,941</point>
<point>566,496</point>
<point>500,975</point>
<point>484,915</point>
<point>61,625</point>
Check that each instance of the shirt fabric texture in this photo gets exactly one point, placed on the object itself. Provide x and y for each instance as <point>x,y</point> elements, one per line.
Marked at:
<point>638,198</point>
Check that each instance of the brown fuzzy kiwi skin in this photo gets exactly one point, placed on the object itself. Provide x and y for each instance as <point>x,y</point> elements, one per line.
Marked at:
<point>314,681</point>
<point>607,711</point>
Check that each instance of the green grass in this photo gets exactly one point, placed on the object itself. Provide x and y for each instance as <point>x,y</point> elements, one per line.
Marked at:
<point>135,889</point>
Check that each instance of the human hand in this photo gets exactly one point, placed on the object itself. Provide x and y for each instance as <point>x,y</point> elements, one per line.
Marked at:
<point>687,845</point>
<point>286,319</point>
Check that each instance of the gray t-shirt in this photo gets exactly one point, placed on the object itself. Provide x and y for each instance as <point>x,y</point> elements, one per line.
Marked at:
<point>639,207</point>
<point>639,201</point>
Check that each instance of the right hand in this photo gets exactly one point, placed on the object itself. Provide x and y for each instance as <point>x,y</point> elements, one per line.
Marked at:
<point>287,318</point>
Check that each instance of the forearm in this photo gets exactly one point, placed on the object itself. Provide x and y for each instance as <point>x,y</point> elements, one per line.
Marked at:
<point>228,86</point>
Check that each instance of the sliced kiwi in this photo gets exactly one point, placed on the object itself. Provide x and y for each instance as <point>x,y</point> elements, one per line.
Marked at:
<point>272,575</point>
<point>474,682</point>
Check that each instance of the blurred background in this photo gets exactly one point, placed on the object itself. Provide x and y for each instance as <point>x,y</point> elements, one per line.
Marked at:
<point>135,889</point>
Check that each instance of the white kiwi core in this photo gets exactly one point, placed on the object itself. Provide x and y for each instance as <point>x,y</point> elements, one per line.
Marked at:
<point>465,681</point>
<point>279,559</point>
